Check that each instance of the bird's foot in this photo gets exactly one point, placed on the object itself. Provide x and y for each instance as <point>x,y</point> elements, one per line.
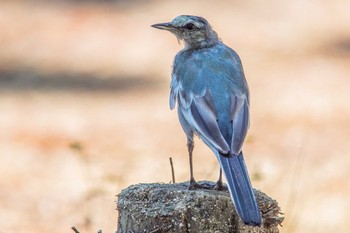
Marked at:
<point>220,186</point>
<point>194,185</point>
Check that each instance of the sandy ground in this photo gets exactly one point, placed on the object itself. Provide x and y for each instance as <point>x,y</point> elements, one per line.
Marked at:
<point>84,108</point>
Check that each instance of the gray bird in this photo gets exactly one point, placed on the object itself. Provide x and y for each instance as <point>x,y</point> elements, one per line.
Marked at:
<point>212,96</point>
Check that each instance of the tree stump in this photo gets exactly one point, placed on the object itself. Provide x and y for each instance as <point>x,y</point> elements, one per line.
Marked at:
<point>157,208</point>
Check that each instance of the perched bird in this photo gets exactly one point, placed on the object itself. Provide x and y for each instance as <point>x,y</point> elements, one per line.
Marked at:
<point>209,87</point>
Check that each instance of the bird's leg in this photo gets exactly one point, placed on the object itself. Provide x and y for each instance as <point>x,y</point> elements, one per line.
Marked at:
<point>219,185</point>
<point>193,182</point>
<point>190,146</point>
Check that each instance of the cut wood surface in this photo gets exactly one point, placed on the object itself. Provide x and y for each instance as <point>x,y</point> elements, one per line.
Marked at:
<point>173,208</point>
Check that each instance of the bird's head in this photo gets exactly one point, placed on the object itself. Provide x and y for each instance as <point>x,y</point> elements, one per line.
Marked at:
<point>194,30</point>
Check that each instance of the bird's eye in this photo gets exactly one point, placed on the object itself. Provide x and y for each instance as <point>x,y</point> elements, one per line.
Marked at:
<point>190,26</point>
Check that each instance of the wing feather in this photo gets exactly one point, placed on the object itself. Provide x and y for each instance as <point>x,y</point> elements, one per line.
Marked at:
<point>201,114</point>
<point>174,90</point>
<point>239,111</point>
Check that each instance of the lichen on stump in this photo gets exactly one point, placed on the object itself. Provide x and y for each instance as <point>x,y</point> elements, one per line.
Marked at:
<point>169,208</point>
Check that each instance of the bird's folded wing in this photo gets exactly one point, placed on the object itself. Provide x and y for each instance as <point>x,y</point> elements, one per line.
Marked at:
<point>174,90</point>
<point>239,112</point>
<point>200,113</point>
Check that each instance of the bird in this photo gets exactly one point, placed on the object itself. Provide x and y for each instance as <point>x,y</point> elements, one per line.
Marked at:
<point>208,86</point>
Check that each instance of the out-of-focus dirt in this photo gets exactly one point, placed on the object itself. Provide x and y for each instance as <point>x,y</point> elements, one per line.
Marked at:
<point>84,108</point>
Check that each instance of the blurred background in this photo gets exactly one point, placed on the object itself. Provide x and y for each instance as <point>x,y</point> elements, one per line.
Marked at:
<point>84,107</point>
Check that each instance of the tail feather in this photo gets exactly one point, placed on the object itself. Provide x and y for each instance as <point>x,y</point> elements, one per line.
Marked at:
<point>240,188</point>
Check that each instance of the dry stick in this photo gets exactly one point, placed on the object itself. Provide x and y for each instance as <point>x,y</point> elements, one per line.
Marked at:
<point>75,230</point>
<point>172,169</point>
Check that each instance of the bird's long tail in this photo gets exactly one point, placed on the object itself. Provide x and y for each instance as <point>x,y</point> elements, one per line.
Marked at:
<point>240,188</point>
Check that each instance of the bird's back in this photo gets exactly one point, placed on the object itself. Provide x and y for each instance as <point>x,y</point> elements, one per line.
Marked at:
<point>216,69</point>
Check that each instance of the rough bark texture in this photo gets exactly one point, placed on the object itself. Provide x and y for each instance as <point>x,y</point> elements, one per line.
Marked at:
<point>173,208</point>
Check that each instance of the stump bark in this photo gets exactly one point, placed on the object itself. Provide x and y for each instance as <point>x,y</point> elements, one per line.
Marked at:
<point>169,208</point>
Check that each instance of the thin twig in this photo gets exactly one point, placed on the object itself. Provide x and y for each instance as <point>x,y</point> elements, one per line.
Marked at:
<point>295,187</point>
<point>172,169</point>
<point>75,229</point>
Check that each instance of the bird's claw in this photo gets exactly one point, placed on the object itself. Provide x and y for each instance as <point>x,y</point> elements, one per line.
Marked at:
<point>219,186</point>
<point>194,185</point>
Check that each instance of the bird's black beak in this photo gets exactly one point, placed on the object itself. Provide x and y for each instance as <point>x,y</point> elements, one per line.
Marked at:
<point>163,26</point>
